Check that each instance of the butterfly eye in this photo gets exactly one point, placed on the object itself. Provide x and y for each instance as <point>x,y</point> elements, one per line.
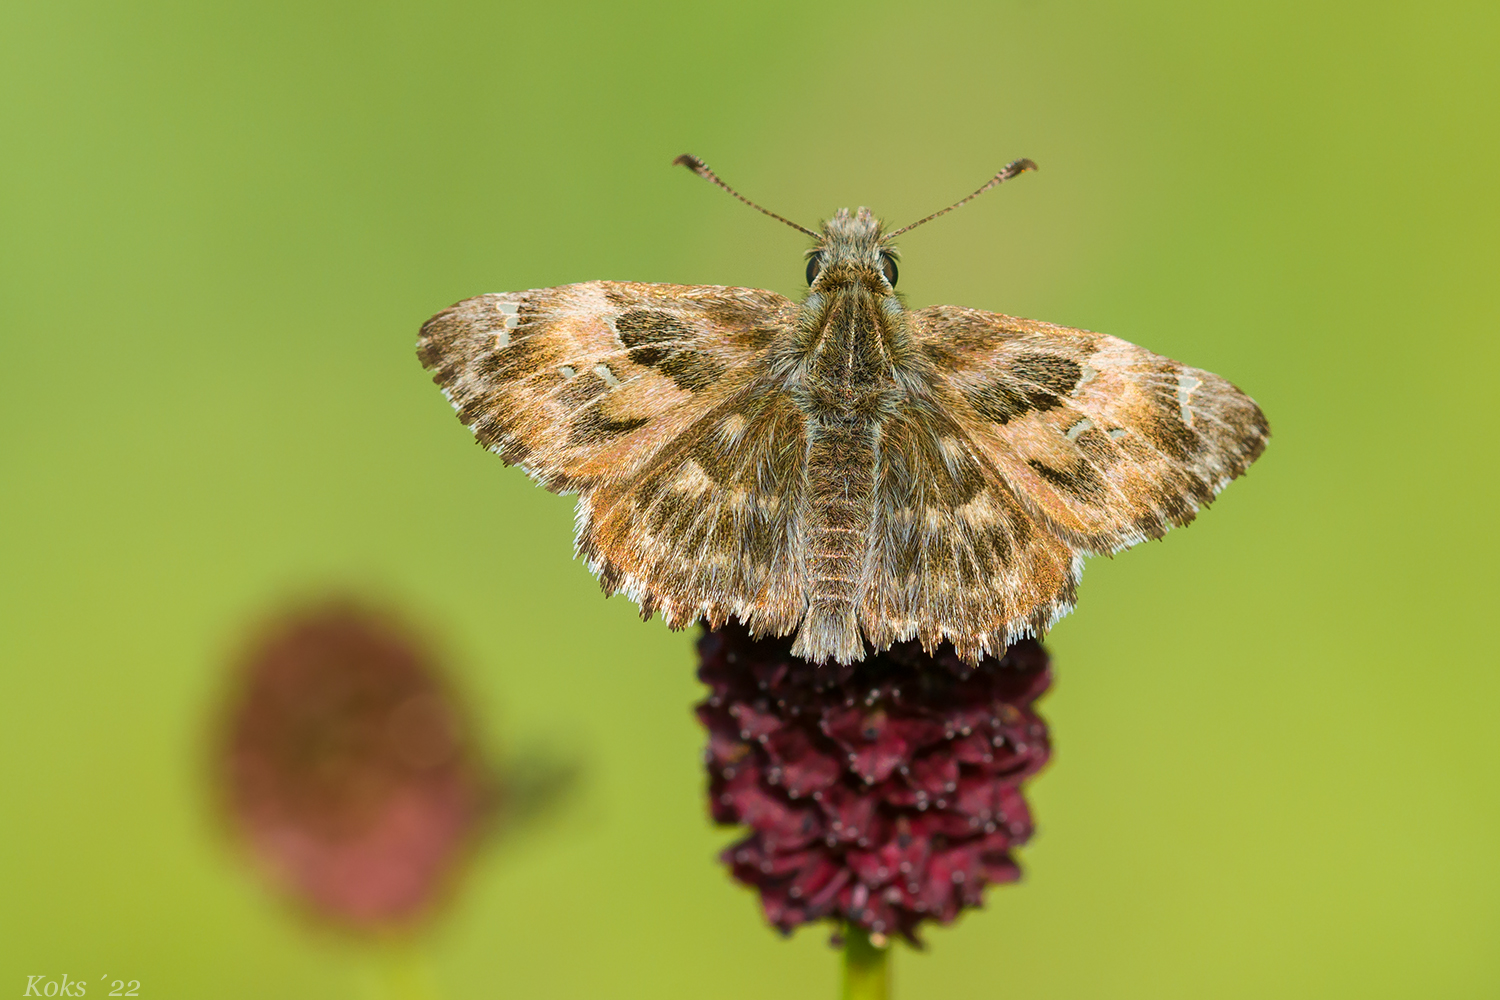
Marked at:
<point>888,267</point>
<point>814,265</point>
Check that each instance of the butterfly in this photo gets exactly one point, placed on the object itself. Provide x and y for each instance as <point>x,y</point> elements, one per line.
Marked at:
<point>844,468</point>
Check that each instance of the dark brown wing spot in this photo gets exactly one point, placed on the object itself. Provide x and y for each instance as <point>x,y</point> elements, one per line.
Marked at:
<point>649,357</point>
<point>1177,508</point>
<point>744,322</point>
<point>942,355</point>
<point>763,535</point>
<point>1053,373</point>
<point>1161,421</point>
<point>960,482</point>
<point>1022,528</point>
<point>1032,383</point>
<point>1169,434</point>
<point>756,338</point>
<point>671,507</point>
<point>520,359</point>
<point>907,558</point>
<point>593,426</point>
<point>581,391</point>
<point>488,364</point>
<point>1098,448</point>
<point>648,334</point>
<point>647,326</point>
<point>513,451</point>
<point>489,430</point>
<point>714,459</point>
<point>993,546</point>
<point>648,492</point>
<point>1081,481</point>
<point>697,540</point>
<point>965,331</point>
<point>690,370</point>
<point>1003,402</point>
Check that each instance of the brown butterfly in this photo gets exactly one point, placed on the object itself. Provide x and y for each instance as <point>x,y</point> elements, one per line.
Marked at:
<point>848,468</point>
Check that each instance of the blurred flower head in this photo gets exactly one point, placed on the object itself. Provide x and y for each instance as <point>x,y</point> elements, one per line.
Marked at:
<point>884,794</point>
<point>349,768</point>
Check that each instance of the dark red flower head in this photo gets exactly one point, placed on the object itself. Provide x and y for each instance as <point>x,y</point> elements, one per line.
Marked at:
<point>883,794</point>
<point>349,768</point>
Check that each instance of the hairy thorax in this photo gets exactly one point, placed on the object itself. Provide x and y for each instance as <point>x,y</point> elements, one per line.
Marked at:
<point>850,343</point>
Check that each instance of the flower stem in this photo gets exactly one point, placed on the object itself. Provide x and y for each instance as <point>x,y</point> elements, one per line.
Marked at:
<point>866,966</point>
<point>399,971</point>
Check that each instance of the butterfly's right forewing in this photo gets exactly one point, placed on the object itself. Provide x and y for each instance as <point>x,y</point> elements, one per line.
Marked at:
<point>651,402</point>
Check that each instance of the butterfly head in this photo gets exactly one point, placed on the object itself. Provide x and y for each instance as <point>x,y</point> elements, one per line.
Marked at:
<point>852,249</point>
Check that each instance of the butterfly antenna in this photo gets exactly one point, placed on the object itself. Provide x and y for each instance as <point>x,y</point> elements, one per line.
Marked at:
<point>1011,170</point>
<point>700,168</point>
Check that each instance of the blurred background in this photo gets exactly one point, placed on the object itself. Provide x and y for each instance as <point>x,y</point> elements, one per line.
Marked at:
<point>222,224</point>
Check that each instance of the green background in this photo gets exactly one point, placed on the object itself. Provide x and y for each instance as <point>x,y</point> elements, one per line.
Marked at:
<point>221,225</point>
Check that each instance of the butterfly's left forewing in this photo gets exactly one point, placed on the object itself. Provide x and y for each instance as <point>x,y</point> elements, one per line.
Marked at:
<point>1108,443</point>
<point>1021,447</point>
<point>649,401</point>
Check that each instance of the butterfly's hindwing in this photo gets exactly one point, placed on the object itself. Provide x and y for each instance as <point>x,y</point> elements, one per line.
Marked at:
<point>955,555</point>
<point>711,527</point>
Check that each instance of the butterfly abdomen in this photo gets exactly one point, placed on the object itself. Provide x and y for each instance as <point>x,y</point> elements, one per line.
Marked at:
<point>840,485</point>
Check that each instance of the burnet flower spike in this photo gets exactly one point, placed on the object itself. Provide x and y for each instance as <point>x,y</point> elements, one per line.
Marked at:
<point>879,796</point>
<point>347,767</point>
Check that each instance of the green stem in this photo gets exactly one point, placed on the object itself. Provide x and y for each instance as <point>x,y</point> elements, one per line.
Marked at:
<point>400,972</point>
<point>866,966</point>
